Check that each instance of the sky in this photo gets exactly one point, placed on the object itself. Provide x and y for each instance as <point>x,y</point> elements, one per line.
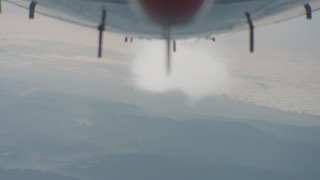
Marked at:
<point>282,74</point>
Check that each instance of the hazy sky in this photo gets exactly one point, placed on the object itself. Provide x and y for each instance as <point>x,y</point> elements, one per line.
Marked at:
<point>48,55</point>
<point>222,114</point>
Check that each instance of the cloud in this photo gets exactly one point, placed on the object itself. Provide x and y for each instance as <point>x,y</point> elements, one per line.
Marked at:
<point>197,71</point>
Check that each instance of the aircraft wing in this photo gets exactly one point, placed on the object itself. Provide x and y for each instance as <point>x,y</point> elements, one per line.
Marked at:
<point>224,16</point>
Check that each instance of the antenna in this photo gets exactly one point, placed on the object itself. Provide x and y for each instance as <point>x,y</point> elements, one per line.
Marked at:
<point>101,29</point>
<point>251,27</point>
<point>32,8</point>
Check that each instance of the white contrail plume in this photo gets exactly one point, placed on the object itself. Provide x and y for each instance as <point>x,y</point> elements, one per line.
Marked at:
<point>196,70</point>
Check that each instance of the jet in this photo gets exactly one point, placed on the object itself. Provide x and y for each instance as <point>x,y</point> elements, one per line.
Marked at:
<point>171,20</point>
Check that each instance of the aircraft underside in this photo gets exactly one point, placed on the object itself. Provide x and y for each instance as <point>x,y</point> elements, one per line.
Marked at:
<point>222,16</point>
